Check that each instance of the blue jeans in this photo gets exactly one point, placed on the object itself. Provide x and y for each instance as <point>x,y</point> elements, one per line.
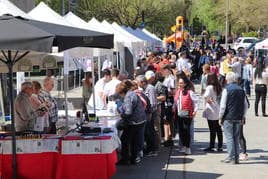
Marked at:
<point>232,133</point>
<point>247,86</point>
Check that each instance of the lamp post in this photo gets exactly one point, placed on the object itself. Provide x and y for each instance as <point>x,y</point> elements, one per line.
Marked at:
<point>227,22</point>
<point>62,7</point>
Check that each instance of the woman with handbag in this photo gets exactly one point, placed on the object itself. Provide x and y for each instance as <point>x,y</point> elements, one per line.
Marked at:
<point>134,117</point>
<point>187,105</point>
<point>211,111</point>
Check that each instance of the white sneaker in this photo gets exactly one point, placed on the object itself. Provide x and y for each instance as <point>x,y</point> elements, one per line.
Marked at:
<point>243,157</point>
<point>140,154</point>
<point>188,151</point>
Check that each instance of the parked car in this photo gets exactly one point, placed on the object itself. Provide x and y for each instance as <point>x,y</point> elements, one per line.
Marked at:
<point>243,42</point>
<point>251,47</point>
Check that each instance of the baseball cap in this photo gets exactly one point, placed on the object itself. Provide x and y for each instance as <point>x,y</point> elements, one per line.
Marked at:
<point>149,74</point>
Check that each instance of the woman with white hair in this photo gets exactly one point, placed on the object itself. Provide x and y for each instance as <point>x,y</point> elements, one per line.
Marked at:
<point>25,114</point>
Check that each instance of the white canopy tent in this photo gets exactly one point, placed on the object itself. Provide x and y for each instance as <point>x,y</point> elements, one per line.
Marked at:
<point>123,31</point>
<point>137,44</point>
<point>118,37</point>
<point>76,21</point>
<point>262,45</point>
<point>96,25</point>
<point>121,41</point>
<point>159,42</point>
<point>6,7</point>
<point>140,34</point>
<point>102,54</point>
<point>261,50</point>
<point>146,39</point>
<point>150,34</point>
<point>44,13</point>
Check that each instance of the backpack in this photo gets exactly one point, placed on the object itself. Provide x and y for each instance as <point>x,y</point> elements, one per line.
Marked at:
<point>148,106</point>
<point>145,101</point>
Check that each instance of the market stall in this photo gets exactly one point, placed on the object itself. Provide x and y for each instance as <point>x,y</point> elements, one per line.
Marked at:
<point>39,37</point>
<point>71,156</point>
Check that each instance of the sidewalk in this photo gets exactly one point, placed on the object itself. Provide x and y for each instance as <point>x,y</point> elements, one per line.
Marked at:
<point>203,165</point>
<point>200,165</point>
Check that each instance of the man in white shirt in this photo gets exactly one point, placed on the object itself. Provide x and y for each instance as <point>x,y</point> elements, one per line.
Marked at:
<point>99,90</point>
<point>109,88</point>
<point>236,66</point>
<point>183,64</point>
<point>107,64</point>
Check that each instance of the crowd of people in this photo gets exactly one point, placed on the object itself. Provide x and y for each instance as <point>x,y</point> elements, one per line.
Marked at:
<point>161,101</point>
<point>35,108</point>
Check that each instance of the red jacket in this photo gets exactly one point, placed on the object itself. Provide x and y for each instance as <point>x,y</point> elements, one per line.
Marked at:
<point>185,101</point>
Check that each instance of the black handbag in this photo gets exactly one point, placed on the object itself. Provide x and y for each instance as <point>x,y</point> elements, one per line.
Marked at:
<point>184,114</point>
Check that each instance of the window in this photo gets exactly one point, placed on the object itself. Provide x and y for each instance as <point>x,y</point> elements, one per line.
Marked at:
<point>248,41</point>
<point>238,40</point>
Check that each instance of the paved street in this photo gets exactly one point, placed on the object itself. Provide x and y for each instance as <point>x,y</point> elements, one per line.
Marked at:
<point>203,165</point>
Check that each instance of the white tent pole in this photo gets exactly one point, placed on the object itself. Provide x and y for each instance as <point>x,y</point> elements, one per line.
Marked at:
<point>74,77</point>
<point>65,85</point>
<point>79,78</point>
<point>99,67</point>
<point>93,81</point>
<point>65,78</point>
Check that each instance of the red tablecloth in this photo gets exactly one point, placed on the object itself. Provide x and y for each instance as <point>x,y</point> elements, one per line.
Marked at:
<point>60,164</point>
<point>31,166</point>
<point>83,166</point>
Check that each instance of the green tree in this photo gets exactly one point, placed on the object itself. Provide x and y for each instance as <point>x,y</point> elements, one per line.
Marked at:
<point>159,15</point>
<point>56,5</point>
<point>205,11</point>
<point>246,15</point>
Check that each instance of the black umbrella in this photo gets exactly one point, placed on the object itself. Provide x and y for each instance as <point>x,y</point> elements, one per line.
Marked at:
<point>19,36</point>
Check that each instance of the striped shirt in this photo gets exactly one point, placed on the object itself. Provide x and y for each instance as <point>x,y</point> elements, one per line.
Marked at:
<point>53,109</point>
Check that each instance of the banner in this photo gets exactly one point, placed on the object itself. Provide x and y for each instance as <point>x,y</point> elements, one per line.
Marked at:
<point>78,58</point>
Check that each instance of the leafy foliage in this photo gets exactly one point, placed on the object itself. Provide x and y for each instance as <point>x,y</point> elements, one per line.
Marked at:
<point>244,15</point>
<point>160,15</point>
<point>54,4</point>
<point>250,34</point>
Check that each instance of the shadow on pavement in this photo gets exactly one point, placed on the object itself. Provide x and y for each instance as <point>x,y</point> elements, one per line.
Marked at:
<point>257,151</point>
<point>201,130</point>
<point>149,168</point>
<point>191,175</point>
<point>262,159</point>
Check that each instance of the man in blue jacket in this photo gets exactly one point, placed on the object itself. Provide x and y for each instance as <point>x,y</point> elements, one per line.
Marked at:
<point>233,108</point>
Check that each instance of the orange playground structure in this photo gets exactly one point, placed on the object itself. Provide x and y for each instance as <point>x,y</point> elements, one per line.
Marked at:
<point>179,34</point>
